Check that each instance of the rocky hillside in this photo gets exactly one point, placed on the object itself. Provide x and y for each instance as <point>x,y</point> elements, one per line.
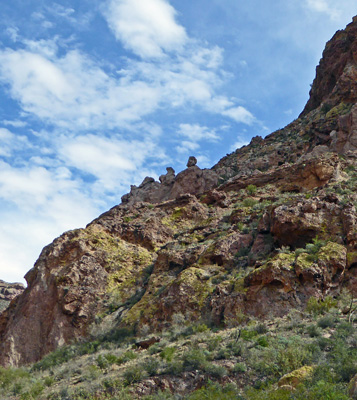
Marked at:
<point>269,227</point>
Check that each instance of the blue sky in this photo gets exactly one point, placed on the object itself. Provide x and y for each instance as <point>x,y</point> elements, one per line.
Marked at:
<point>97,95</point>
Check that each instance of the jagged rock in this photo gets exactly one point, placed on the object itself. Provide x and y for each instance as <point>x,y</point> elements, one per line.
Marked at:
<point>169,178</point>
<point>336,75</point>
<point>192,161</point>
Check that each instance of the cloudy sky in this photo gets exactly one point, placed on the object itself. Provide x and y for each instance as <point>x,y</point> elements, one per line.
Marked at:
<point>96,95</point>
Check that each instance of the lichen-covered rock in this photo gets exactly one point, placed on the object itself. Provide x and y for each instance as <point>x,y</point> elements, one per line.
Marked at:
<point>294,378</point>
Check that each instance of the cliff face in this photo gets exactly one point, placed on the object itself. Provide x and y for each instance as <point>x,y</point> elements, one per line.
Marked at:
<point>269,226</point>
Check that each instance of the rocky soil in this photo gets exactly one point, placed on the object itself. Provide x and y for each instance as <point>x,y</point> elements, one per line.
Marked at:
<point>269,227</point>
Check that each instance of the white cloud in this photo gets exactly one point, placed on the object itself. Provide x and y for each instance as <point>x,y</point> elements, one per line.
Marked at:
<point>239,143</point>
<point>197,132</point>
<point>324,6</point>
<point>37,204</point>
<point>147,27</point>
<point>186,147</point>
<point>240,114</point>
<point>15,124</point>
<point>113,161</point>
<point>73,92</point>
<point>10,142</point>
<point>13,33</point>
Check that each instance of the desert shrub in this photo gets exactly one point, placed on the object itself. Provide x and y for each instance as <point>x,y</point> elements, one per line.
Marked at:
<point>223,353</point>
<point>263,341</point>
<point>344,329</point>
<point>313,331</point>
<point>317,306</point>
<point>240,368</point>
<point>155,348</point>
<point>248,334</point>
<point>213,342</point>
<point>9,376</point>
<point>194,359</point>
<point>281,357</point>
<point>327,321</point>
<point>251,189</point>
<point>215,370</point>
<point>168,353</point>
<point>215,392</point>
<point>118,335</point>
<point>160,395</point>
<point>127,356</point>
<point>249,202</point>
<point>343,360</point>
<point>151,366</point>
<point>235,347</point>
<point>34,392</point>
<point>174,367</point>
<point>106,360</point>
<point>261,329</point>
<point>134,374</point>
<point>324,343</point>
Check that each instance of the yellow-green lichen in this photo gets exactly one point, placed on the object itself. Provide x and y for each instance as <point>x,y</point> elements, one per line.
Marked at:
<point>127,264</point>
<point>332,251</point>
<point>296,377</point>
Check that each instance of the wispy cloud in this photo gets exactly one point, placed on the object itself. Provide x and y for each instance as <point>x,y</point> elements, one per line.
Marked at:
<point>197,132</point>
<point>240,114</point>
<point>9,142</point>
<point>147,27</point>
<point>240,142</point>
<point>324,6</point>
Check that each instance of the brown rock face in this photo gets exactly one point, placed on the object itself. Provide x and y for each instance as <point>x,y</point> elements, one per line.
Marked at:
<point>8,291</point>
<point>269,226</point>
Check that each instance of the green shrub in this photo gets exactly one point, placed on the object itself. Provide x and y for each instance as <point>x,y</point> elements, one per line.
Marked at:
<point>134,374</point>
<point>251,189</point>
<point>249,202</point>
<point>240,368</point>
<point>263,341</point>
<point>313,331</point>
<point>215,392</point>
<point>214,342</point>
<point>194,359</point>
<point>261,329</point>
<point>215,370</point>
<point>168,353</point>
<point>127,356</point>
<point>248,334</point>
<point>151,366</point>
<point>317,306</point>
<point>345,329</point>
<point>327,321</point>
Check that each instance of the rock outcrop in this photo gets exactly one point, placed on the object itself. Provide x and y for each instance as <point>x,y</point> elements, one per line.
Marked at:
<point>268,227</point>
<point>192,180</point>
<point>8,291</point>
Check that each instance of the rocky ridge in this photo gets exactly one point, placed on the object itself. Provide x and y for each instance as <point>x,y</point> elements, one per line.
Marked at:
<point>267,228</point>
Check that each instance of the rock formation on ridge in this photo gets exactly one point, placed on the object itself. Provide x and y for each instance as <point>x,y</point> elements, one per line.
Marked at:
<point>266,228</point>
